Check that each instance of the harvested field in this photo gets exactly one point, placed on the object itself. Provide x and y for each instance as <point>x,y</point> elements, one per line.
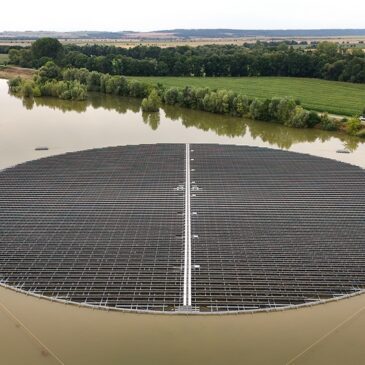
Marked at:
<point>11,72</point>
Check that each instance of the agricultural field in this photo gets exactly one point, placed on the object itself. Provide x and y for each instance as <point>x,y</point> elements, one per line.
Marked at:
<point>167,40</point>
<point>10,72</point>
<point>334,97</point>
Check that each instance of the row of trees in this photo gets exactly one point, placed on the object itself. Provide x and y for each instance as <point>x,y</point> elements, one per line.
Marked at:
<point>73,83</point>
<point>327,60</point>
<point>66,90</point>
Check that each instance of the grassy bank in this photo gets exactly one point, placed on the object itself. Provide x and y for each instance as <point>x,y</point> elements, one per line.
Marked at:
<point>324,96</point>
<point>10,72</point>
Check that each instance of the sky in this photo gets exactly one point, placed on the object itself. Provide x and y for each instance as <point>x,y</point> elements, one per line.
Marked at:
<point>148,15</point>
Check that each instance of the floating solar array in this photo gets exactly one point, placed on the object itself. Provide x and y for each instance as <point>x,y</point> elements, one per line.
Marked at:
<point>102,227</point>
<point>200,228</point>
<point>274,228</point>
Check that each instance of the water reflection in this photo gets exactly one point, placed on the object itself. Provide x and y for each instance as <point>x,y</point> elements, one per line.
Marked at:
<point>95,101</point>
<point>152,119</point>
<point>227,126</point>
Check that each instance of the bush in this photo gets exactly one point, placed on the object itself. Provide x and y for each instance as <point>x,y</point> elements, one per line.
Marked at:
<point>27,89</point>
<point>353,126</point>
<point>121,85</point>
<point>138,89</point>
<point>259,110</point>
<point>327,123</point>
<point>106,85</point>
<point>171,96</point>
<point>274,107</point>
<point>37,91</point>
<point>298,119</point>
<point>200,94</point>
<point>93,81</point>
<point>187,98</point>
<point>210,102</point>
<point>50,71</point>
<point>152,102</point>
<point>225,102</point>
<point>285,110</point>
<point>241,105</point>
<point>15,85</point>
<point>78,91</point>
<point>49,88</point>
<point>313,119</point>
<point>76,74</point>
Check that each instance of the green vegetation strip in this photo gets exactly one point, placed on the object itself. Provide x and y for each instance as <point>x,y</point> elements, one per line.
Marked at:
<point>334,97</point>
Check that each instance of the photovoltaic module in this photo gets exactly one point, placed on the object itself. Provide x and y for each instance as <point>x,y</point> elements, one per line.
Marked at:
<point>183,228</point>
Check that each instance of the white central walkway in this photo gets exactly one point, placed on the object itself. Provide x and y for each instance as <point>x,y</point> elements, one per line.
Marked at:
<point>187,263</point>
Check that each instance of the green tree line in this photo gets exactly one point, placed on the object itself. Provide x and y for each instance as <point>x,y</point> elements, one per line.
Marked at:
<point>325,60</point>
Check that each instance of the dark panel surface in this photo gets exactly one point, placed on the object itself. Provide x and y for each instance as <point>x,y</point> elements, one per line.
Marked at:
<point>103,227</point>
<point>273,228</point>
<point>106,227</point>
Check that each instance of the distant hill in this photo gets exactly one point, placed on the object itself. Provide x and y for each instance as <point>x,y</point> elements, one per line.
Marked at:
<point>236,33</point>
<point>185,34</point>
<point>63,35</point>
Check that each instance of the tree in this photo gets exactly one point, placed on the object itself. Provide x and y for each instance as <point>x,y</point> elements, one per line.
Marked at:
<point>25,58</point>
<point>327,123</point>
<point>50,71</point>
<point>152,103</point>
<point>46,47</point>
<point>285,109</point>
<point>333,71</point>
<point>14,56</point>
<point>329,49</point>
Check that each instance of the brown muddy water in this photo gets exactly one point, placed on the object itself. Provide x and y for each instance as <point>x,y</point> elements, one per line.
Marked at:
<point>34,331</point>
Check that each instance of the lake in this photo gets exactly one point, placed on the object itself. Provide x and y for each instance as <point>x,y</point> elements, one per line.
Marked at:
<point>34,331</point>
<point>65,126</point>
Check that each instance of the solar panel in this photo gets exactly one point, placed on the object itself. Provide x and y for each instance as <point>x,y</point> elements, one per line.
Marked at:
<point>103,227</point>
<point>192,228</point>
<point>274,228</point>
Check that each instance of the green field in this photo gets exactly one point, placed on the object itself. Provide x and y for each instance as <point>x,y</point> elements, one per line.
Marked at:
<point>3,58</point>
<point>324,96</point>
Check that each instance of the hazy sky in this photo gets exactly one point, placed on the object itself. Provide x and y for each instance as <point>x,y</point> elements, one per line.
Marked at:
<point>146,15</point>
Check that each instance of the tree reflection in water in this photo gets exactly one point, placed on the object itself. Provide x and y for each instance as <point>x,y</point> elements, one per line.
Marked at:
<point>222,125</point>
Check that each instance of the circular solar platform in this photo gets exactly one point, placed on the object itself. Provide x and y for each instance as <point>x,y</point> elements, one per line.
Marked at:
<point>183,228</point>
